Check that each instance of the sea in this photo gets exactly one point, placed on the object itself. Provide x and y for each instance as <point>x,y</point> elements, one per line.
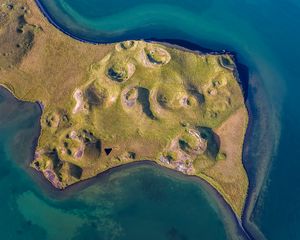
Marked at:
<point>144,201</point>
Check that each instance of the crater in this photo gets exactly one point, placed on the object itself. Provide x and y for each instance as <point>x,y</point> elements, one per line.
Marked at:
<point>126,45</point>
<point>192,142</point>
<point>120,72</point>
<point>155,56</point>
<point>227,62</point>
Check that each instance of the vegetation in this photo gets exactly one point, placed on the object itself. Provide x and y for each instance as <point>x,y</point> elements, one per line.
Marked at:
<point>108,105</point>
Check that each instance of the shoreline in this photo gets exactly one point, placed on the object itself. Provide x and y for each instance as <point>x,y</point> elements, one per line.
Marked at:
<point>244,220</point>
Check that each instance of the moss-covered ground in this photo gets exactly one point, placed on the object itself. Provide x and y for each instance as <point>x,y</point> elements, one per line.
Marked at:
<point>108,105</point>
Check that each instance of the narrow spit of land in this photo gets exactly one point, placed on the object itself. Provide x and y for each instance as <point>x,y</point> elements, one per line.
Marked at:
<point>108,105</point>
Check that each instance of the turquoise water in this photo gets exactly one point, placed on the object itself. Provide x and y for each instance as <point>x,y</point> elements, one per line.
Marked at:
<point>138,202</point>
<point>265,34</point>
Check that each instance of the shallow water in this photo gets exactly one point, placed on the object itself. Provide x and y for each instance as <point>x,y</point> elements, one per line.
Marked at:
<point>265,34</point>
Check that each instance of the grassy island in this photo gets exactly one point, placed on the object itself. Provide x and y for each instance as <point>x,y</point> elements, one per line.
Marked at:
<point>108,105</point>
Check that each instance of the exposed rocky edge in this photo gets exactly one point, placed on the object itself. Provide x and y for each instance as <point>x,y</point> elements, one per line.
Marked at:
<point>16,35</point>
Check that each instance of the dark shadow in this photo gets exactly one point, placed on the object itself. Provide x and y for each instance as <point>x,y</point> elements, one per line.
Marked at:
<point>75,171</point>
<point>21,20</point>
<point>53,155</point>
<point>132,155</point>
<point>57,163</point>
<point>107,151</point>
<point>183,145</point>
<point>117,75</point>
<point>98,145</point>
<point>213,141</point>
<point>93,97</point>
<point>92,149</point>
<point>143,99</point>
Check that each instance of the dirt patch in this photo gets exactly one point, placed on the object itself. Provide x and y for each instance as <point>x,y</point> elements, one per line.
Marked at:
<point>78,96</point>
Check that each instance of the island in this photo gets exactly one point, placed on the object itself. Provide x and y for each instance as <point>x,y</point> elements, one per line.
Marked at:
<point>106,105</point>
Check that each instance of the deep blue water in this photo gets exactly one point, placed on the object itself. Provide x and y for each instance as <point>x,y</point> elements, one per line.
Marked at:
<point>265,34</point>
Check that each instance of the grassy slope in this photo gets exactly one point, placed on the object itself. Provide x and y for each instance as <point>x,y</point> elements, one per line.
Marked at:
<point>54,66</point>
